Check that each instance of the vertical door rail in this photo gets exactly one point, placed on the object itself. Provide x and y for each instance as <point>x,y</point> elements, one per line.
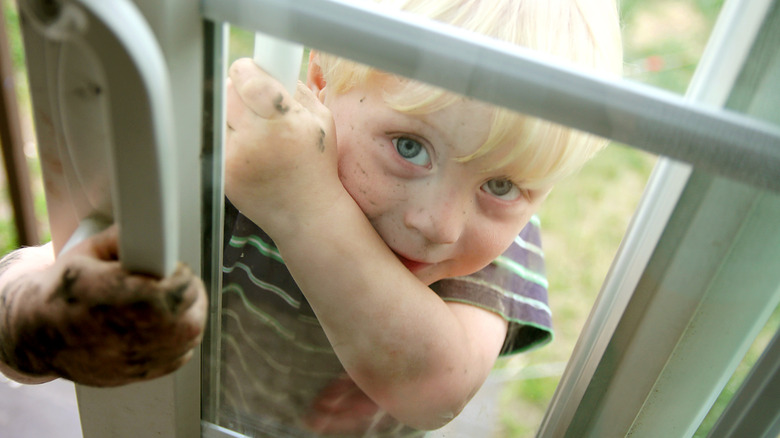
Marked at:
<point>216,38</point>
<point>170,406</point>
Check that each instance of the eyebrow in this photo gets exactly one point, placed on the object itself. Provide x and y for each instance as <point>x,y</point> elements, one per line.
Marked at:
<point>428,127</point>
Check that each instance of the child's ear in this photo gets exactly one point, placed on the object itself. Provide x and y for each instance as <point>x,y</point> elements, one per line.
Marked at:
<point>314,79</point>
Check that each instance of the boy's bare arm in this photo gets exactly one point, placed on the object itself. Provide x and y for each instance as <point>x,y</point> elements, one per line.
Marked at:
<point>85,319</point>
<point>416,356</point>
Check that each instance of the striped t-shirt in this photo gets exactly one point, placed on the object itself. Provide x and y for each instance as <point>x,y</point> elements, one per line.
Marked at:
<point>276,359</point>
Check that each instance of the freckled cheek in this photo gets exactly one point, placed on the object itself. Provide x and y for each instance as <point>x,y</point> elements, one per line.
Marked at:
<point>357,180</point>
<point>380,199</point>
<point>362,173</point>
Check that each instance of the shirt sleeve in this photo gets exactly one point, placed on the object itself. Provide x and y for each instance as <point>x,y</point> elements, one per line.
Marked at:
<point>513,286</point>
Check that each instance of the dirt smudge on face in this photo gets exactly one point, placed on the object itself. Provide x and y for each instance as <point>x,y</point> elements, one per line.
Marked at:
<point>321,143</point>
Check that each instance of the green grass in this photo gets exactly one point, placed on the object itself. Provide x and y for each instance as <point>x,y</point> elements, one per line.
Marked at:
<point>664,39</point>
<point>8,240</point>
<point>12,29</point>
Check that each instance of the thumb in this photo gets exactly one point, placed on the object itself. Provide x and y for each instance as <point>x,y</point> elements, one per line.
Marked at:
<point>104,245</point>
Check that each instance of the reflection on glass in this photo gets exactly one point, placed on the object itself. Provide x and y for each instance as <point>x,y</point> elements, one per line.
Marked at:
<point>273,377</point>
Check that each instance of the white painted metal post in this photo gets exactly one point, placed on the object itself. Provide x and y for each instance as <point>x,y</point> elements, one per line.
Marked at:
<point>169,406</point>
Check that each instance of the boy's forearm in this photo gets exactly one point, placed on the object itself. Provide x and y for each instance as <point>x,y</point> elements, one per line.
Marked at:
<point>397,339</point>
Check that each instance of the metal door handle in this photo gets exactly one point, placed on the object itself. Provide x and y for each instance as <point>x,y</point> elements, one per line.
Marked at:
<point>102,103</point>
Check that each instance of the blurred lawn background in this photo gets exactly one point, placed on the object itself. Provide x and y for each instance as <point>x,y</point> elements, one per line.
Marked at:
<point>585,217</point>
<point>8,238</point>
<point>583,220</point>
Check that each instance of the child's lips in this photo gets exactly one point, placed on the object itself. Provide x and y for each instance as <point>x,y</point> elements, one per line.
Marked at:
<point>411,265</point>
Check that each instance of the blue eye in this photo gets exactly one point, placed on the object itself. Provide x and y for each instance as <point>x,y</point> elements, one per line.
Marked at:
<point>412,151</point>
<point>502,188</point>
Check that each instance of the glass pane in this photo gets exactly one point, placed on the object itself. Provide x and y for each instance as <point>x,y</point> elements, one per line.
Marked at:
<point>663,43</point>
<point>759,345</point>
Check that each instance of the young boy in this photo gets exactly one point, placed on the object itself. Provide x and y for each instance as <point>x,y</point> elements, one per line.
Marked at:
<point>387,200</point>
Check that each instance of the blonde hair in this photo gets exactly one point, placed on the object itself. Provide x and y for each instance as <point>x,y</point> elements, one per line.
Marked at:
<point>585,32</point>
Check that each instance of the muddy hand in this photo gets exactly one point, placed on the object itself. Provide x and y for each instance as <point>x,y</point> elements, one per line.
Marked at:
<point>281,156</point>
<point>87,320</point>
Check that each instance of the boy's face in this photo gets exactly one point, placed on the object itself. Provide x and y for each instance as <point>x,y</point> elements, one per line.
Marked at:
<point>440,217</point>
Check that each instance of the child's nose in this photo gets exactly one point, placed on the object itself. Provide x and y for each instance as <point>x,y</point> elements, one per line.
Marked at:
<point>439,222</point>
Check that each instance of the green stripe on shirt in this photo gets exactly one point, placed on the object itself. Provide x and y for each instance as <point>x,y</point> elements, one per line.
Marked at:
<point>522,271</point>
<point>522,243</point>
<point>507,293</point>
